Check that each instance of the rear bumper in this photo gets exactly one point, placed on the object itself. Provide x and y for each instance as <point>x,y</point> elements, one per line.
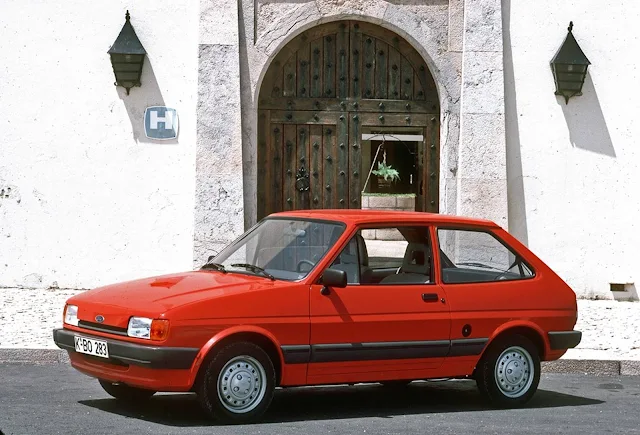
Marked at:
<point>562,340</point>
<point>134,354</point>
<point>151,367</point>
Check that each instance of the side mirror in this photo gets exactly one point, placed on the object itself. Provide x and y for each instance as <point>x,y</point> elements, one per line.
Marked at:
<point>211,257</point>
<point>334,278</point>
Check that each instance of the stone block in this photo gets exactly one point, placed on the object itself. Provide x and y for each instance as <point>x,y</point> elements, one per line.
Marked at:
<point>369,234</point>
<point>456,24</point>
<point>33,356</point>
<point>485,199</point>
<point>483,25</point>
<point>388,234</point>
<point>583,366</point>
<point>482,83</point>
<point>407,203</point>
<point>382,202</point>
<point>218,22</point>
<point>630,368</point>
<point>482,147</point>
<point>364,202</point>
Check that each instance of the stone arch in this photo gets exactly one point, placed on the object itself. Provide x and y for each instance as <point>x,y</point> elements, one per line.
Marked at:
<point>327,93</point>
<point>442,66</point>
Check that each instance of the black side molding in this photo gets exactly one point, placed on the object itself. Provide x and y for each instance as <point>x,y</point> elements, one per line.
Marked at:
<point>559,340</point>
<point>121,352</point>
<point>296,354</point>
<point>340,352</point>
<point>467,346</point>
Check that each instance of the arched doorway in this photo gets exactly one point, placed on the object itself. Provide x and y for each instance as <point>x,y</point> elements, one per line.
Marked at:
<point>337,99</point>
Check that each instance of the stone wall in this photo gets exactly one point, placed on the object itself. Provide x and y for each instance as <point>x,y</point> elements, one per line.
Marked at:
<point>424,24</point>
<point>389,202</point>
<point>85,197</point>
<point>574,184</point>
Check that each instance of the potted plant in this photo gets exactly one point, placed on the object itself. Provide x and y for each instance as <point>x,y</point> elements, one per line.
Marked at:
<point>386,175</point>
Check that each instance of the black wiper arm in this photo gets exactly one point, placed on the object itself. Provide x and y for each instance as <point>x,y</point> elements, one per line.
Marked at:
<point>254,268</point>
<point>214,266</point>
<point>484,266</point>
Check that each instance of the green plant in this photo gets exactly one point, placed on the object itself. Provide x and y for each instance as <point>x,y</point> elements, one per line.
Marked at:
<point>387,172</point>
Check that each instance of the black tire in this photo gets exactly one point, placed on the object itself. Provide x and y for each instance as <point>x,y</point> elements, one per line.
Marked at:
<point>125,392</point>
<point>254,384</point>
<point>516,355</point>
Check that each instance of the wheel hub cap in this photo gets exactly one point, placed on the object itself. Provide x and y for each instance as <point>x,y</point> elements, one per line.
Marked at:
<point>514,372</point>
<point>241,384</point>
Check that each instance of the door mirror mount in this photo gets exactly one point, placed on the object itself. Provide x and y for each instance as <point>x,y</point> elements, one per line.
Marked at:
<point>334,278</point>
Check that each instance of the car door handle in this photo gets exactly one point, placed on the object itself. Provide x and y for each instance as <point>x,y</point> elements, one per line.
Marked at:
<point>430,297</point>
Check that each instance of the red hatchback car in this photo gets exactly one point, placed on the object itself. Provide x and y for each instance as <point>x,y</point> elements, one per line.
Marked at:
<point>330,297</point>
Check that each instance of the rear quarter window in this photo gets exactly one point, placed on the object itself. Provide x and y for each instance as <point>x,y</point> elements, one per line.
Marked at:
<point>468,256</point>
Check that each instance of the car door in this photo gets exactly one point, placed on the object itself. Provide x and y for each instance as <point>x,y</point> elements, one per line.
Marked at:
<point>391,321</point>
<point>488,284</point>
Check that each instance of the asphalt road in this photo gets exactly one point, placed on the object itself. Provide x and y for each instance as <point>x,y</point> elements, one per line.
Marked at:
<point>55,399</point>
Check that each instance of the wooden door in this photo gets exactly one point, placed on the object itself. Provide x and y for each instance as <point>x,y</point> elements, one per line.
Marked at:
<point>305,161</point>
<point>321,90</point>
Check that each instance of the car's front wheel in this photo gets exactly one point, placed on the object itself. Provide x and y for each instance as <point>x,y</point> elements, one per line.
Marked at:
<point>238,383</point>
<point>509,372</point>
<point>125,392</point>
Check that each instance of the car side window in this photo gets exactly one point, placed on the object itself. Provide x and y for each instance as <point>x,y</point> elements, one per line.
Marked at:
<point>468,256</point>
<point>389,255</point>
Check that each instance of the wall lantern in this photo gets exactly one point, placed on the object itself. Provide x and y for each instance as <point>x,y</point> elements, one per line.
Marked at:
<point>127,57</point>
<point>569,67</point>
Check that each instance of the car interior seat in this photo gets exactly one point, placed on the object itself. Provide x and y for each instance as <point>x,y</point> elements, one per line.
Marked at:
<point>416,266</point>
<point>354,260</point>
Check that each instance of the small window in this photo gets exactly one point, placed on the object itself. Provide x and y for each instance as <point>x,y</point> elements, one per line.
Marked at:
<point>395,255</point>
<point>477,256</point>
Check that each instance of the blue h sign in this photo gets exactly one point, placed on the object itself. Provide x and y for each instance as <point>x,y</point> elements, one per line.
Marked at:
<point>161,122</point>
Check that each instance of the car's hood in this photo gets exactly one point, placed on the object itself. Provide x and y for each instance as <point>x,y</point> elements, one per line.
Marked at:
<point>152,297</point>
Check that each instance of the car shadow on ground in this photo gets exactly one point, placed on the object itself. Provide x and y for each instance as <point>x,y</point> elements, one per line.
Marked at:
<point>337,402</point>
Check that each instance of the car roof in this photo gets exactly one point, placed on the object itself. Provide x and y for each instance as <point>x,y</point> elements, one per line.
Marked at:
<point>356,216</point>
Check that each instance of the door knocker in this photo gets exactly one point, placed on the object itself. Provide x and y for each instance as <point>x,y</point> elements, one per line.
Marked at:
<point>302,180</point>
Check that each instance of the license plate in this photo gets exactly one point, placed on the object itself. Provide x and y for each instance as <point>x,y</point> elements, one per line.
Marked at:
<point>91,346</point>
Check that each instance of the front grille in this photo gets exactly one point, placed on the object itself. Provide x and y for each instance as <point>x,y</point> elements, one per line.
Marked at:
<point>103,328</point>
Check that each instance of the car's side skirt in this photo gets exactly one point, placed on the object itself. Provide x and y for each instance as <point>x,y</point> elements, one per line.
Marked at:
<point>340,352</point>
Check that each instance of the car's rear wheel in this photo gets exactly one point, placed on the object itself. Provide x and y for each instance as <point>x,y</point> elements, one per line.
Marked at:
<point>238,383</point>
<point>126,392</point>
<point>509,372</point>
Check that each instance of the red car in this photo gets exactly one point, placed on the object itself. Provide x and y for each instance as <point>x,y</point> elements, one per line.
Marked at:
<point>330,297</point>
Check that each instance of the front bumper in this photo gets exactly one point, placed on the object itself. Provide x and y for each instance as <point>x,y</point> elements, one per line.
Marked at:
<point>123,353</point>
<point>563,340</point>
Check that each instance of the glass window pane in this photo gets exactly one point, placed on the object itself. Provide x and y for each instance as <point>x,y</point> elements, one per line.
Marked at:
<point>477,256</point>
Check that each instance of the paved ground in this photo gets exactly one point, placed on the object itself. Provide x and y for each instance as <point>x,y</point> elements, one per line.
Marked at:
<point>55,399</point>
<point>611,330</point>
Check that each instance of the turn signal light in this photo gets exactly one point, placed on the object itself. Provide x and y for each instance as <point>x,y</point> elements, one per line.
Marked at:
<point>159,329</point>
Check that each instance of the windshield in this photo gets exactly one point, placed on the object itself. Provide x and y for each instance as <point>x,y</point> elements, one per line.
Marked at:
<point>286,249</point>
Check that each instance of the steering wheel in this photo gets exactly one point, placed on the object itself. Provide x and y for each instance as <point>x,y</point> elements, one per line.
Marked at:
<point>303,262</point>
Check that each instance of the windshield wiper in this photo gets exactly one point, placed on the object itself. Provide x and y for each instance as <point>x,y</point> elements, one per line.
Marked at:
<point>483,266</point>
<point>254,268</point>
<point>214,266</point>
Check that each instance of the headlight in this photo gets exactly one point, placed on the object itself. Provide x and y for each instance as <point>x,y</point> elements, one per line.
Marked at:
<point>150,329</point>
<point>71,315</point>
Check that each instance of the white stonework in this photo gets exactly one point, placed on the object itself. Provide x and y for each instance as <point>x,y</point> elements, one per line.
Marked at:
<point>219,216</point>
<point>423,24</point>
<point>482,176</point>
<point>87,199</point>
<point>573,168</point>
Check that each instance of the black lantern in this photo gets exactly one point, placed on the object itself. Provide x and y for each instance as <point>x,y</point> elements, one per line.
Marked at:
<point>127,56</point>
<point>569,67</point>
